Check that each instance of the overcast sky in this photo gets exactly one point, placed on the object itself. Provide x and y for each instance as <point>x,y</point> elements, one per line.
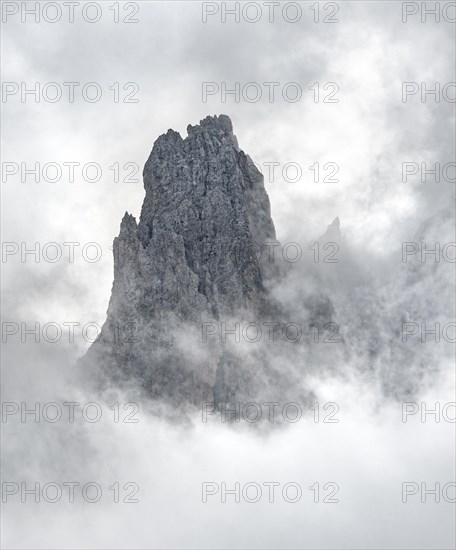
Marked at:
<point>166,57</point>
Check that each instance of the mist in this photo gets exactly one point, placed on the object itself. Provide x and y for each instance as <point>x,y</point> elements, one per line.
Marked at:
<point>367,449</point>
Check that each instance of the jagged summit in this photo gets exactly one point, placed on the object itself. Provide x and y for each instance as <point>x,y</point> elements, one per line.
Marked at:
<point>204,209</point>
<point>223,122</point>
<point>220,126</point>
<point>191,258</point>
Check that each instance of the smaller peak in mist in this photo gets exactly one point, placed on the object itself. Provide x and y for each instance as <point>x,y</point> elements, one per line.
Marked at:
<point>333,232</point>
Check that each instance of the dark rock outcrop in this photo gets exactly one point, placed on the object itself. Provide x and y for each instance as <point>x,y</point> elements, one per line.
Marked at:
<point>195,299</point>
<point>190,263</point>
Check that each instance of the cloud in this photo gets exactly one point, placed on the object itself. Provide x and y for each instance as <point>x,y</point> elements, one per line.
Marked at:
<point>368,134</point>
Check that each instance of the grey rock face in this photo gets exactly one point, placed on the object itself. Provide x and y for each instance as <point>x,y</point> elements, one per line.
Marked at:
<point>190,277</point>
<point>193,251</point>
<point>191,259</point>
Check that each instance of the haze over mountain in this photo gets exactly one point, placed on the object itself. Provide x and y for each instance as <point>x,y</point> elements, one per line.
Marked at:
<point>206,305</point>
<point>192,259</point>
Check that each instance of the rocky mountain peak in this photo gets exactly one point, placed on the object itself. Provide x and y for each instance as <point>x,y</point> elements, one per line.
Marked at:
<point>333,230</point>
<point>191,258</point>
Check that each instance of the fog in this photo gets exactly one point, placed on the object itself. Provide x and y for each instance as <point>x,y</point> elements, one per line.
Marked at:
<point>373,449</point>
